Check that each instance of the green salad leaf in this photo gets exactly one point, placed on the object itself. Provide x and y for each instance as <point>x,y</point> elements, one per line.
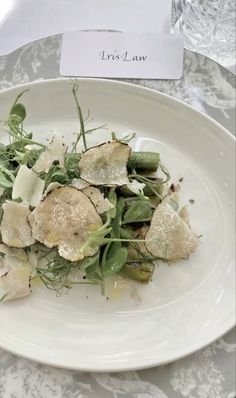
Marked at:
<point>118,243</point>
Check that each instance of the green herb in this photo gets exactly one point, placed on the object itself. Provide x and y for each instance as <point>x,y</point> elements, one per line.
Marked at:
<point>55,275</point>
<point>138,211</point>
<point>116,223</point>
<point>83,132</point>
<point>55,174</point>
<point>114,259</point>
<point>6,182</point>
<point>71,162</point>
<point>91,268</point>
<point>82,128</point>
<point>153,186</point>
<point>14,125</point>
<point>117,242</point>
<point>124,140</point>
<point>97,238</point>
<point>166,173</point>
<point>141,272</point>
<point>138,255</point>
<point>18,108</point>
<point>3,297</point>
<point>112,197</point>
<point>126,233</point>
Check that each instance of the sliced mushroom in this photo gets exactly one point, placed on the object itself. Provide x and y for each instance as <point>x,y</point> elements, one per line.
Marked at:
<point>169,237</point>
<point>15,283</point>
<point>66,218</point>
<point>101,204</point>
<point>55,150</point>
<point>15,230</point>
<point>105,164</point>
<point>28,186</point>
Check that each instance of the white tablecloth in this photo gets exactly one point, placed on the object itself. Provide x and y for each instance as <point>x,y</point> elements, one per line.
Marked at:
<point>208,373</point>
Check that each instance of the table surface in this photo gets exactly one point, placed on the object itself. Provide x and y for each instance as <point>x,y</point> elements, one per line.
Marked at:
<point>209,373</point>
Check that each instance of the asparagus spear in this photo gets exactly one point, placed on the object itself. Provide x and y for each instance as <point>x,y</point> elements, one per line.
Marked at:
<point>156,186</point>
<point>148,161</point>
<point>141,272</point>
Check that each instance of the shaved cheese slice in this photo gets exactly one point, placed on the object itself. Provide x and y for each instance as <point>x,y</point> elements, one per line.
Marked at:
<point>169,237</point>
<point>54,151</point>
<point>19,257</point>
<point>13,258</point>
<point>101,204</point>
<point>173,200</point>
<point>2,191</point>
<point>3,268</point>
<point>15,283</point>
<point>4,248</point>
<point>51,187</point>
<point>105,164</point>
<point>13,252</point>
<point>14,228</point>
<point>184,214</point>
<point>79,183</point>
<point>65,218</point>
<point>28,186</point>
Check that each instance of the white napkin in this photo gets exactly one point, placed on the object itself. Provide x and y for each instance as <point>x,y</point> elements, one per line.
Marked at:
<point>22,21</point>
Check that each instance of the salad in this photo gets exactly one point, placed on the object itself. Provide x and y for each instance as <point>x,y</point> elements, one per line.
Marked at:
<point>79,217</point>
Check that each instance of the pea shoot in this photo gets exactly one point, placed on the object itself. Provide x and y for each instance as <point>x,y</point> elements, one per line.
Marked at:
<point>91,212</point>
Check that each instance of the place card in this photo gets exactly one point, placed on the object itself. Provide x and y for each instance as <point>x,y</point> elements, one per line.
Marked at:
<point>122,55</point>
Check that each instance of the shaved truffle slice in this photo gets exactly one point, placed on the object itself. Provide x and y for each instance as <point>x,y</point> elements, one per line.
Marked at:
<point>55,150</point>
<point>15,283</point>
<point>15,229</point>
<point>28,186</point>
<point>101,204</point>
<point>105,164</point>
<point>65,218</point>
<point>169,237</point>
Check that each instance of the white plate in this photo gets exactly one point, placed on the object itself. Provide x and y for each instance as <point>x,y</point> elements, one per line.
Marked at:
<point>187,305</point>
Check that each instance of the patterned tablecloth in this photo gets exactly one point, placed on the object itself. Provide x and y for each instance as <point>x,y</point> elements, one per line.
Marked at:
<point>209,373</point>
